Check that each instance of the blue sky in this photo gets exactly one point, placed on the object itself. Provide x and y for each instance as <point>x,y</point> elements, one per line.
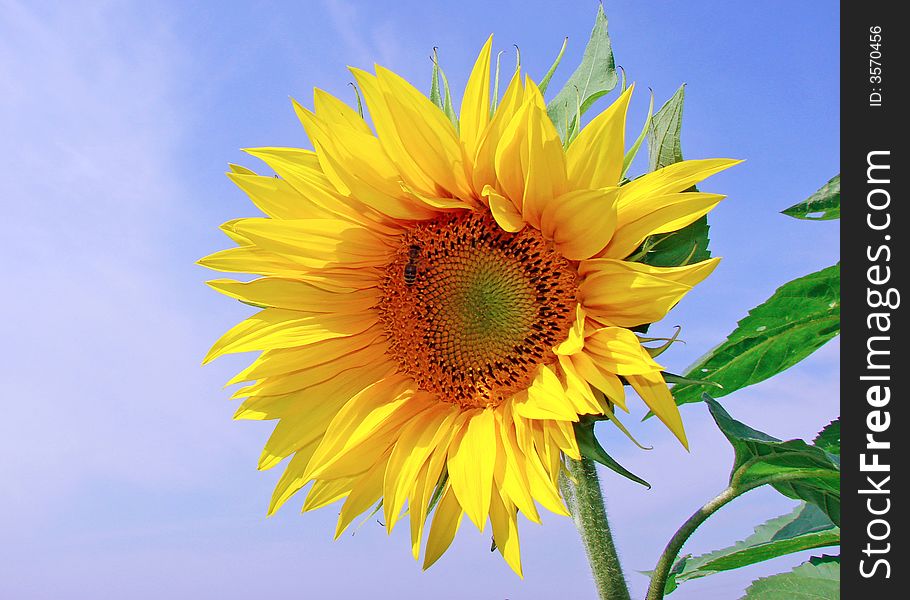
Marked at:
<point>123,474</point>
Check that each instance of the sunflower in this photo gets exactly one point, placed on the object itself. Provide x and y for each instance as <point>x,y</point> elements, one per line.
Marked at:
<point>440,302</point>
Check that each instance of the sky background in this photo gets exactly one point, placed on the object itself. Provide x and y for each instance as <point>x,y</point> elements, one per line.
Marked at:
<point>121,472</point>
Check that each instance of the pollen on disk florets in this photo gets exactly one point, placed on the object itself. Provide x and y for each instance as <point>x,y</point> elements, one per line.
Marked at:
<point>471,310</point>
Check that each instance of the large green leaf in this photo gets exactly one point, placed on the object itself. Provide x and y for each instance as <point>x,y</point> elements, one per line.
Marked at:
<point>794,468</point>
<point>817,579</point>
<point>594,77</point>
<point>798,319</point>
<point>823,205</point>
<point>805,528</point>
<point>689,244</point>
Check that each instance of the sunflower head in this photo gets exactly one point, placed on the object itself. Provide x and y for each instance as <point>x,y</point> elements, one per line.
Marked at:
<point>440,304</point>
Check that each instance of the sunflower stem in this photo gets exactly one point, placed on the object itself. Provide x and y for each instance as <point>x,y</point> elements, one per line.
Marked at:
<point>581,488</point>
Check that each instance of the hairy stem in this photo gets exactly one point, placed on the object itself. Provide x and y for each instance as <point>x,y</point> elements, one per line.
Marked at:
<point>581,488</point>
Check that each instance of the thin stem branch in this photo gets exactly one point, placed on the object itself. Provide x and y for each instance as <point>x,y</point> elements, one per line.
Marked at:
<point>668,557</point>
<point>665,563</point>
<point>585,501</point>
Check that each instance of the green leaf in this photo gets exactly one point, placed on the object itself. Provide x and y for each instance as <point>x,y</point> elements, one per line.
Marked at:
<point>594,77</point>
<point>794,468</point>
<point>591,448</point>
<point>664,146</point>
<point>805,528</point>
<point>828,438</point>
<point>818,579</point>
<point>823,205</point>
<point>799,318</point>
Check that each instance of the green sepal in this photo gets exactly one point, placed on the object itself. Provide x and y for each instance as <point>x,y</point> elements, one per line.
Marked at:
<point>545,82</point>
<point>443,101</point>
<point>633,151</point>
<point>591,448</point>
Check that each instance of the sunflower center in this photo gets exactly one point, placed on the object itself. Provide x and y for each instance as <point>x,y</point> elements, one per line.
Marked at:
<point>471,310</point>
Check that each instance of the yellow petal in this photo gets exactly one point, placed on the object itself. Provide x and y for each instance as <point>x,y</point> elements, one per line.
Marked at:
<point>292,479</point>
<point>576,339</point>
<point>323,493</point>
<point>279,328</point>
<point>484,172</point>
<point>446,521</point>
<point>250,259</point>
<point>603,380</point>
<point>294,294</point>
<point>475,104</point>
<point>545,174</point>
<point>630,294</point>
<point>509,472</point>
<point>471,466</point>
<point>510,155</point>
<point>580,223</point>
<point>666,213</point>
<point>318,243</point>
<point>578,392</point>
<point>336,113</point>
<point>419,502</point>
<point>594,159</point>
<point>563,435</point>
<point>280,362</point>
<point>366,492</point>
<point>545,399</point>
<point>387,128</point>
<point>303,171</point>
<point>306,414</point>
<point>503,211</point>
<point>425,146</point>
<point>619,351</point>
<point>653,390</point>
<point>540,480</point>
<point>417,441</point>
<point>504,520</point>
<point>276,197</point>
<point>636,196</point>
<point>310,376</point>
<point>358,167</point>
<point>388,400</point>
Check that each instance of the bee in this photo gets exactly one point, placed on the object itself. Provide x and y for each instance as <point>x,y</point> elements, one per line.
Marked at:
<point>410,269</point>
